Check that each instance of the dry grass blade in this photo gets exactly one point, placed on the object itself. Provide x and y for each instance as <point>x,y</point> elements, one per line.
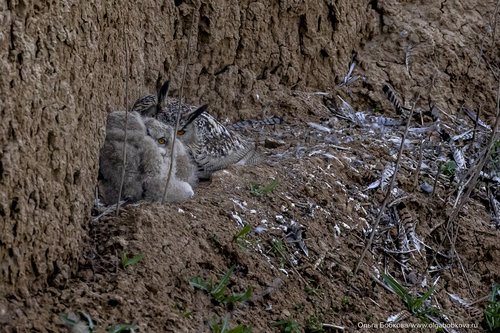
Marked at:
<point>179,112</point>
<point>388,194</point>
<point>124,156</point>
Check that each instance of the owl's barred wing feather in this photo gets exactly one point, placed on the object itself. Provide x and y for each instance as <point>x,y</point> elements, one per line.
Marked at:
<point>208,164</point>
<point>212,145</point>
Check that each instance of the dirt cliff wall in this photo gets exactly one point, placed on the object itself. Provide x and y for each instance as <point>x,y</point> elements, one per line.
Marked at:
<point>62,67</point>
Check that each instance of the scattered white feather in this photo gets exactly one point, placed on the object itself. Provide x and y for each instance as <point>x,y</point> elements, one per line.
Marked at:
<point>260,230</point>
<point>337,229</point>
<point>345,225</point>
<point>319,127</point>
<point>457,300</point>
<point>387,174</point>
<point>465,136</point>
<point>238,219</point>
<point>280,219</point>
<point>375,184</point>
<point>393,318</point>
<point>376,271</point>
<point>458,156</point>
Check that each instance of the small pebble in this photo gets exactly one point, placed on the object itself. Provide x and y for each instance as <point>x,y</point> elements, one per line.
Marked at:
<point>426,188</point>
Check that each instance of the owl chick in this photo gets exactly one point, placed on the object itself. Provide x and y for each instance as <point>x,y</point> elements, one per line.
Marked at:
<point>163,135</point>
<point>146,166</point>
<point>212,146</point>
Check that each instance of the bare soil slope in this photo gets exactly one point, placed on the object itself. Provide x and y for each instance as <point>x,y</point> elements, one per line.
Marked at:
<point>63,69</point>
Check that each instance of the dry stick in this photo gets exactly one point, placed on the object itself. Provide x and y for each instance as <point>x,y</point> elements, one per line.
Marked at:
<point>377,221</point>
<point>479,300</point>
<point>179,112</point>
<point>124,155</point>
<point>436,181</point>
<point>475,127</point>
<point>420,155</point>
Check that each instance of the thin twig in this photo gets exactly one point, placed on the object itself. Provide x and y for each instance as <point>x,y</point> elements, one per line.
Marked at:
<point>391,185</point>
<point>479,300</point>
<point>466,277</point>
<point>124,155</point>
<point>475,126</point>
<point>179,112</point>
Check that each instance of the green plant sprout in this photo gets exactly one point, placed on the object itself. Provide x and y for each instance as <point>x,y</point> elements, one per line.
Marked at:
<point>217,291</point>
<point>223,327</point>
<point>259,191</point>
<point>126,262</point>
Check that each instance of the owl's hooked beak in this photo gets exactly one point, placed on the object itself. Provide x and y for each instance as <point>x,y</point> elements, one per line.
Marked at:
<point>163,152</point>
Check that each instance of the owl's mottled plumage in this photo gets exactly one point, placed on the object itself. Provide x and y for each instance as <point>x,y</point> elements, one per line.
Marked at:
<point>147,162</point>
<point>212,146</point>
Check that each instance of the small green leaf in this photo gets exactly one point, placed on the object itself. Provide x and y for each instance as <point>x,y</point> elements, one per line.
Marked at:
<point>91,324</point>
<point>494,293</point>
<point>243,231</point>
<point>239,297</point>
<point>134,260</point>
<point>418,303</point>
<point>225,323</point>
<point>244,247</point>
<point>120,328</point>
<point>203,285</point>
<point>213,324</point>
<point>270,187</point>
<point>397,288</point>
<point>247,329</point>
<point>67,320</point>
<point>222,283</point>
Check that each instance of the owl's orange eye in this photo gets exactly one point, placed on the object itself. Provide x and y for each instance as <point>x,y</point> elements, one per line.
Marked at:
<point>161,141</point>
<point>180,132</point>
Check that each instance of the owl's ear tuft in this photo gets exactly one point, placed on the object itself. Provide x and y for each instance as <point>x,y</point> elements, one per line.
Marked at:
<point>163,93</point>
<point>193,115</point>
